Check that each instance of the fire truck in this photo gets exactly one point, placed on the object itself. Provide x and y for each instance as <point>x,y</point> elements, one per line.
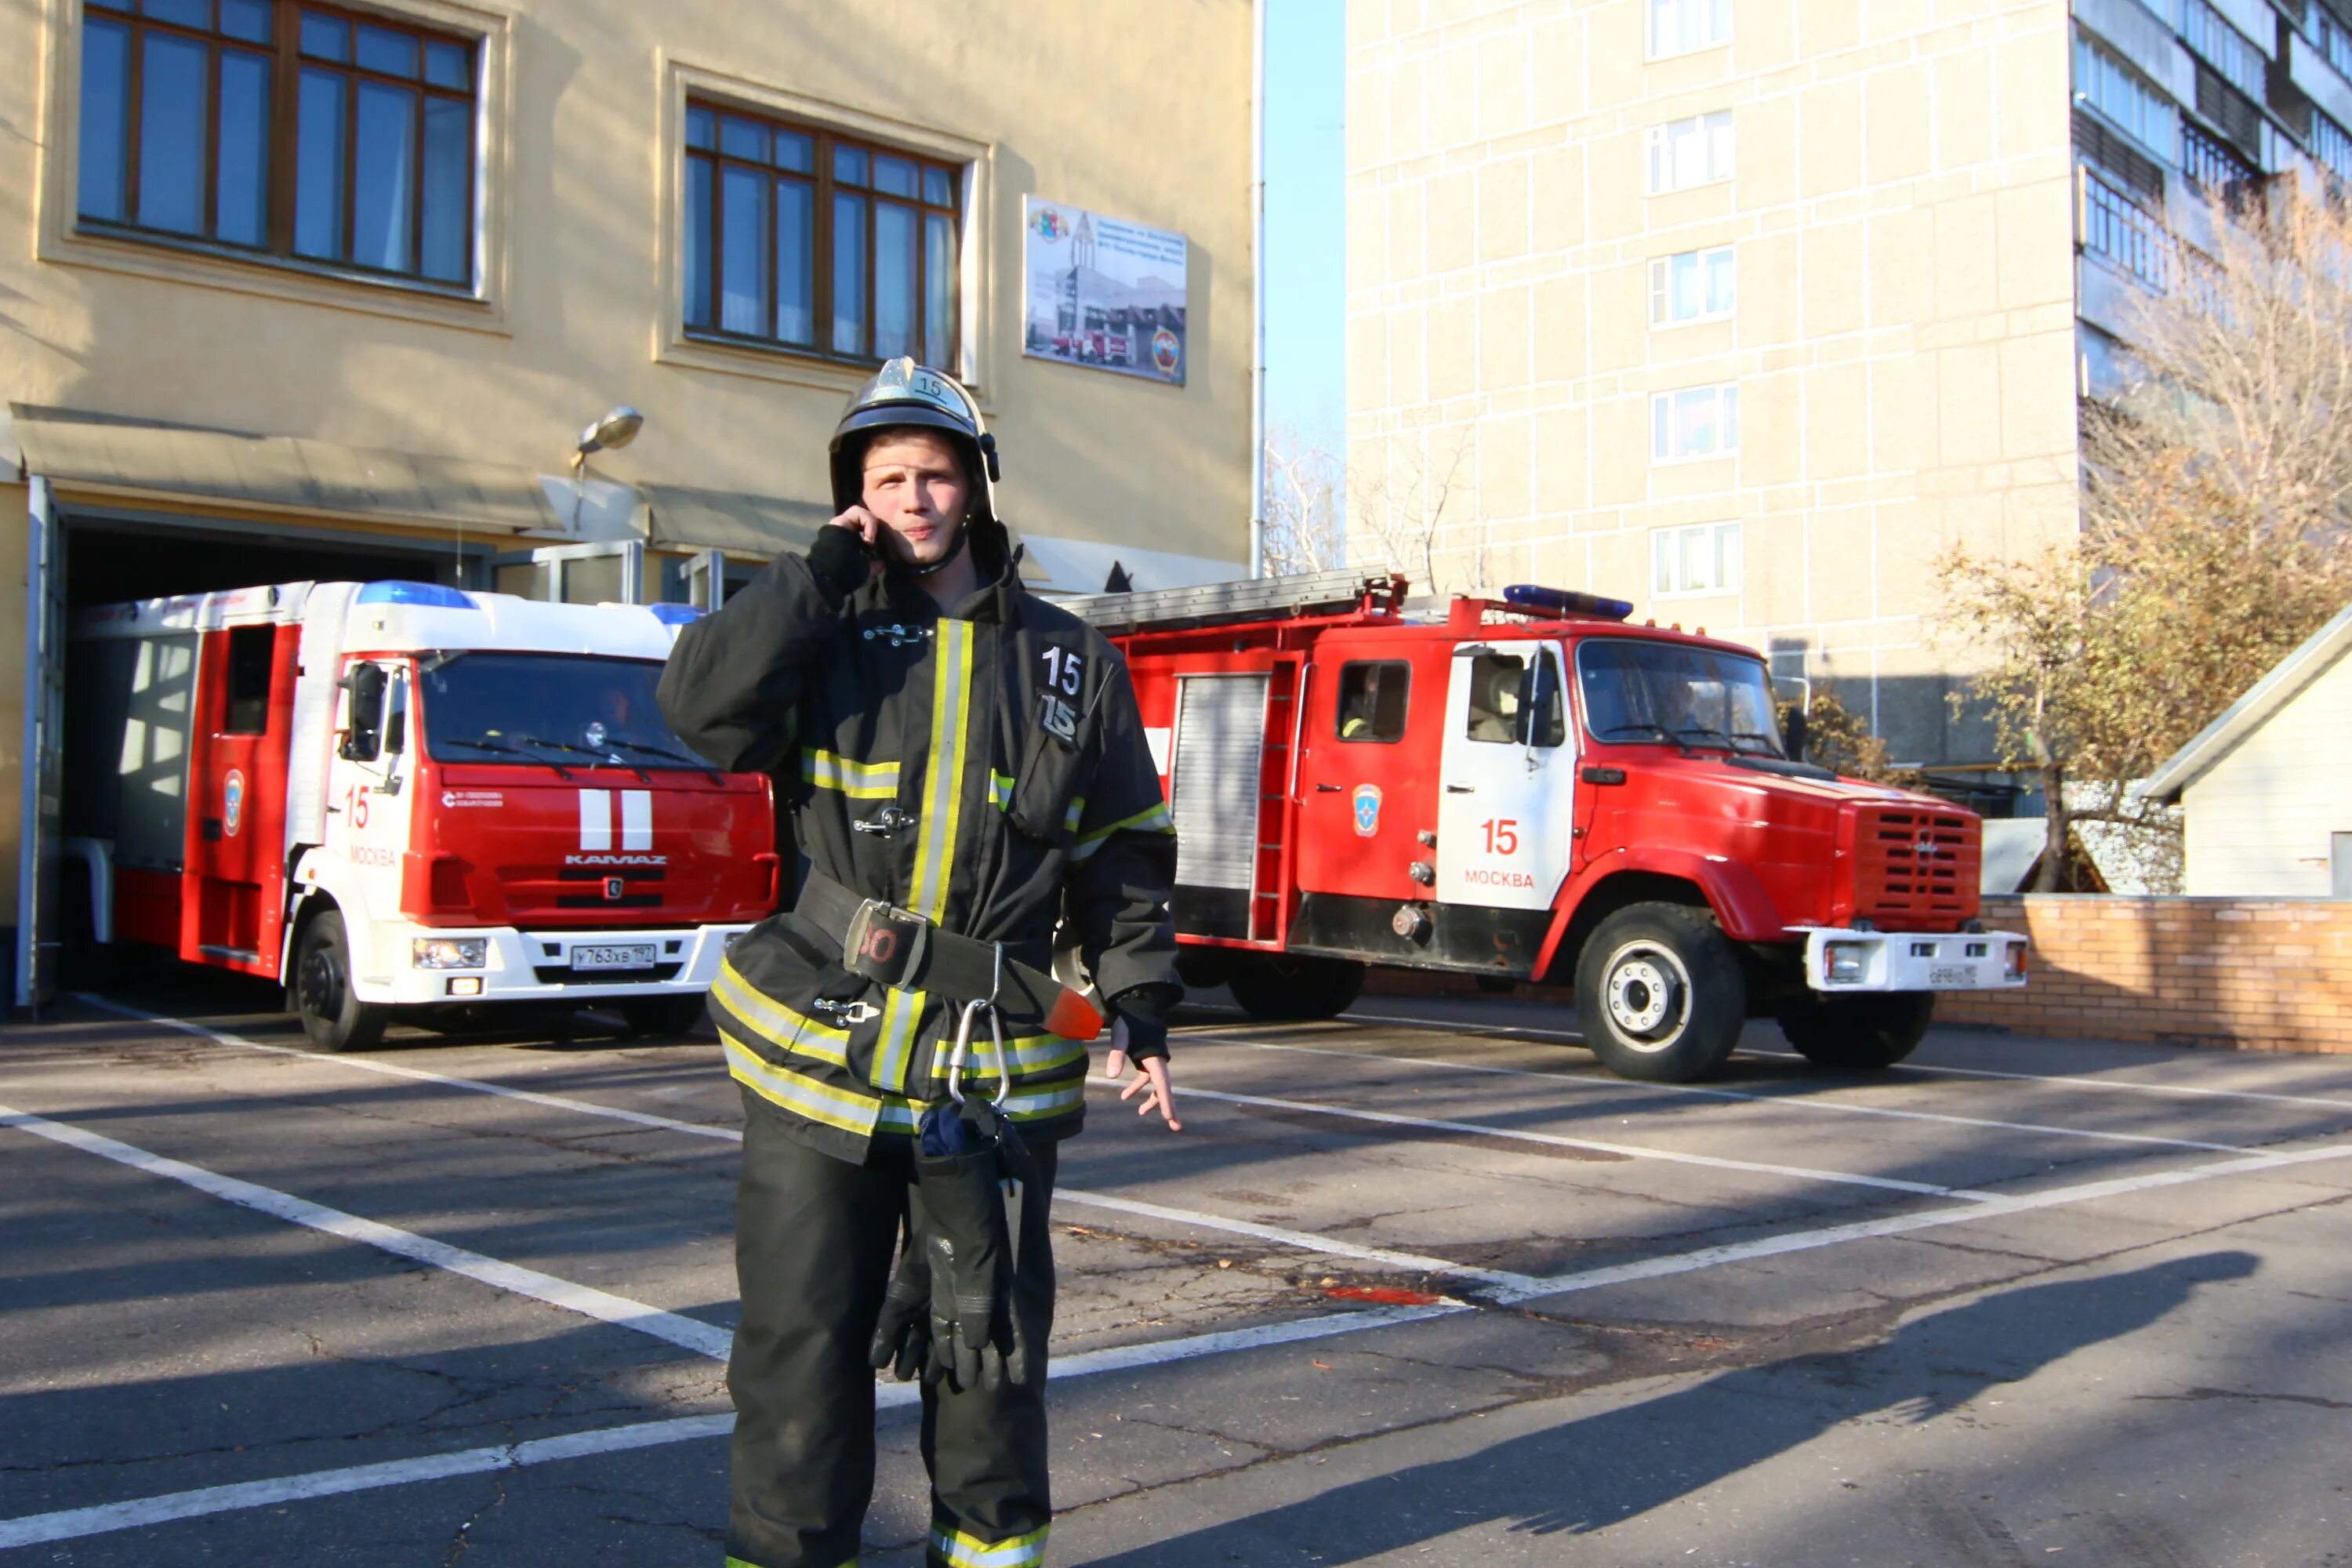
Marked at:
<point>404,798</point>
<point>1534,789</point>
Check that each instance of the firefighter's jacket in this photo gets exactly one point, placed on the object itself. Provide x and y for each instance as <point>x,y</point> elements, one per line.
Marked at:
<point>1001,747</point>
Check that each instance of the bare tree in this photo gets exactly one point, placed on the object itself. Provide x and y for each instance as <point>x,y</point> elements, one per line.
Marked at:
<point>2216,488</point>
<point>1398,518</point>
<point>1305,506</point>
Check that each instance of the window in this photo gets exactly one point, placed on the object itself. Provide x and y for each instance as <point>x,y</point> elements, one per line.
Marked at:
<point>1686,153</point>
<point>1696,422</point>
<point>1515,702</point>
<point>2104,81</point>
<point>1694,286</point>
<point>2225,48</point>
<point>1373,701</point>
<point>2334,40</point>
<point>2126,233</point>
<point>498,706</point>
<point>1700,559</point>
<point>250,654</point>
<point>286,129</point>
<point>1679,26</point>
<point>811,241</point>
<point>2331,145</point>
<point>1636,690</point>
<point>2211,162</point>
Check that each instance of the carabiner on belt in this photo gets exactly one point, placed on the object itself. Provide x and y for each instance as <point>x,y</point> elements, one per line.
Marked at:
<point>972,1010</point>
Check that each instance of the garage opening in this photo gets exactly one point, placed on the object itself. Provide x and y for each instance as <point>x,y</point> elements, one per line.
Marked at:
<point>111,560</point>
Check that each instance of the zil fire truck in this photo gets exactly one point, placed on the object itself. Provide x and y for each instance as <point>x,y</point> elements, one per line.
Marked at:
<point>1532,789</point>
<point>400,798</point>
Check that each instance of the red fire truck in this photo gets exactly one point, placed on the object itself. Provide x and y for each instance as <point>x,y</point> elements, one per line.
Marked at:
<point>1531,789</point>
<point>400,797</point>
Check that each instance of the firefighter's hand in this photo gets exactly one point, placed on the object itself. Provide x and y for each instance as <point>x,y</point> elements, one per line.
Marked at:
<point>870,529</point>
<point>1151,1080</point>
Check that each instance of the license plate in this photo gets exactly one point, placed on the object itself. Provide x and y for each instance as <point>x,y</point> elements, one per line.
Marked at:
<point>616,955</point>
<point>1953,976</point>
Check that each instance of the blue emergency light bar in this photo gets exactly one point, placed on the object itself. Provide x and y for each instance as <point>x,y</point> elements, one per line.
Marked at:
<point>432,593</point>
<point>676,615</point>
<point>1565,602</point>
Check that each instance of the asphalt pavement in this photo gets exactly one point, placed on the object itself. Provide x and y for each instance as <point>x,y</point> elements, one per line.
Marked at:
<point>1418,1286</point>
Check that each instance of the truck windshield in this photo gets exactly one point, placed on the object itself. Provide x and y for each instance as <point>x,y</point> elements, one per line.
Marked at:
<point>1635,691</point>
<point>563,707</point>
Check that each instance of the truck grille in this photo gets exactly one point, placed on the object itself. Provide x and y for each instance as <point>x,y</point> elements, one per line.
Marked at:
<point>1915,870</point>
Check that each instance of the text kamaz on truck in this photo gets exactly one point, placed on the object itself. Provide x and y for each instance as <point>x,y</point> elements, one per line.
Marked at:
<point>1531,789</point>
<point>405,796</point>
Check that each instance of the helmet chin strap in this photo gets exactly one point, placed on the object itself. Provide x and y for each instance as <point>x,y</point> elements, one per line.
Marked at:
<point>962,540</point>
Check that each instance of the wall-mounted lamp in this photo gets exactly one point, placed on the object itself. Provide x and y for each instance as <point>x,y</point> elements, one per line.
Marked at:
<point>615,430</point>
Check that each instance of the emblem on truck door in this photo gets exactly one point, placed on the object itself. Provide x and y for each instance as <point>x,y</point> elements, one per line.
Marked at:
<point>232,802</point>
<point>1368,810</point>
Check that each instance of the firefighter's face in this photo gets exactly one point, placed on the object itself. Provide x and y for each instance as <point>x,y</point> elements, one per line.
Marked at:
<point>915,483</point>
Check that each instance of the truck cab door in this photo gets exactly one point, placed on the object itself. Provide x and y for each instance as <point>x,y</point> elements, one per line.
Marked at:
<point>1507,778</point>
<point>234,903</point>
<point>368,800</point>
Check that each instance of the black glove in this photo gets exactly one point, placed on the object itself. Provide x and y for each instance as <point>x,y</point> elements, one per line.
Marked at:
<point>1144,1008</point>
<point>902,1335</point>
<point>968,1163</point>
<point>840,560</point>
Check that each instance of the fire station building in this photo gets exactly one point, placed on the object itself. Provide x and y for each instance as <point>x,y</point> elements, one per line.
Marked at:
<point>298,290</point>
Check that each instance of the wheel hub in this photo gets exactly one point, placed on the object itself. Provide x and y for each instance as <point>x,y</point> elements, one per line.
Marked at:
<point>1647,993</point>
<point>319,986</point>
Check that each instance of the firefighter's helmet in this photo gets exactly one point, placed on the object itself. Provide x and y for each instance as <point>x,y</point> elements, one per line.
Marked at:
<point>903,394</point>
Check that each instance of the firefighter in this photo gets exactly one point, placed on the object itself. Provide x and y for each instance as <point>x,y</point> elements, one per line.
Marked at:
<point>965,769</point>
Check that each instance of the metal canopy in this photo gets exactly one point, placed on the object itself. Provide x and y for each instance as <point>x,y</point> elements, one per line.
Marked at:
<point>81,450</point>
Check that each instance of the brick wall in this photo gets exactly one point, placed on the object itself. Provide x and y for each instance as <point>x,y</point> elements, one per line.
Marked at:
<point>2250,974</point>
<point>2272,974</point>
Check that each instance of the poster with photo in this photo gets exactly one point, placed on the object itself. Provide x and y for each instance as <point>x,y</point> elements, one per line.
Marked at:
<point>1103,292</point>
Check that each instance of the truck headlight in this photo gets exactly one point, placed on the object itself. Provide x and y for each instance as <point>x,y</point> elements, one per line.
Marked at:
<point>450,951</point>
<point>1843,963</point>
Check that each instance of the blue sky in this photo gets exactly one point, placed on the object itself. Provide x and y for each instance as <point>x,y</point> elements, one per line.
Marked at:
<point>1306,226</point>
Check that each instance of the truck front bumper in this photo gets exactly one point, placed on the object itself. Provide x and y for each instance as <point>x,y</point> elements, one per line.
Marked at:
<point>1873,961</point>
<point>549,965</point>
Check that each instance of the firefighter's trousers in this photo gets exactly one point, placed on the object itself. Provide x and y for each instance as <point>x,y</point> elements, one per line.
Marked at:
<point>813,1249</point>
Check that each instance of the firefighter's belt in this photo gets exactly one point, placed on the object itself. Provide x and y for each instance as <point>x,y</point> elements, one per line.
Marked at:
<point>900,948</point>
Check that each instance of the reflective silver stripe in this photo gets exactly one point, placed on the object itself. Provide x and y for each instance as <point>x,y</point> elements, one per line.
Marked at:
<point>1154,819</point>
<point>859,781</point>
<point>962,1551</point>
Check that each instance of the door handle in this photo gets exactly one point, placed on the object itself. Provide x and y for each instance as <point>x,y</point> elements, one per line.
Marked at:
<point>1462,789</point>
<point>1328,788</point>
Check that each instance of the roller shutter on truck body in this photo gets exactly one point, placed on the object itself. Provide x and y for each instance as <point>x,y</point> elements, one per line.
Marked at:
<point>1214,790</point>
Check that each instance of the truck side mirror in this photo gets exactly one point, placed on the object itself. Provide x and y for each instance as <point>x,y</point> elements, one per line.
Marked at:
<point>364,740</point>
<point>1793,730</point>
<point>1541,720</point>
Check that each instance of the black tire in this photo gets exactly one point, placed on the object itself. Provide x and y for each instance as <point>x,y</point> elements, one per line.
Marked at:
<point>332,1012</point>
<point>662,1014</point>
<point>1291,988</point>
<point>1660,995</point>
<point>1861,1034</point>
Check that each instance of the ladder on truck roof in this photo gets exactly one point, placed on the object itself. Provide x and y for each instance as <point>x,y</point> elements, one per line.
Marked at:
<point>1222,604</point>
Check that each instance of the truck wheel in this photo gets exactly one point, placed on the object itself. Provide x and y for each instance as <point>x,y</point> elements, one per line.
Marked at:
<point>662,1015</point>
<point>1864,1033</point>
<point>332,1012</point>
<point>1659,992</point>
<point>1291,988</point>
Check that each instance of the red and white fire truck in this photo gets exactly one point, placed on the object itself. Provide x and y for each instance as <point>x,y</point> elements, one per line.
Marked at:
<point>1531,789</point>
<point>405,796</point>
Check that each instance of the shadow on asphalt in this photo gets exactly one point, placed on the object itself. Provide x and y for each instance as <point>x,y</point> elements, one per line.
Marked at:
<point>1606,1469</point>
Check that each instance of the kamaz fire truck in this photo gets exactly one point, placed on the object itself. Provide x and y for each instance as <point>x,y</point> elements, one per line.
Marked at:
<point>1533,789</point>
<point>405,798</point>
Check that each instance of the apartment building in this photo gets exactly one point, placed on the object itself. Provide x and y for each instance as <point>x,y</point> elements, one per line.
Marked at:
<point>1749,310</point>
<point>298,290</point>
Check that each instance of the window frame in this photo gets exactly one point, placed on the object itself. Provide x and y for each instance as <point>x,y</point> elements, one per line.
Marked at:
<point>1668,548</point>
<point>1668,403</point>
<point>1662,287</point>
<point>820,180</point>
<point>281,170</point>
<point>2148,99</point>
<point>1718,10</point>
<point>1658,153</point>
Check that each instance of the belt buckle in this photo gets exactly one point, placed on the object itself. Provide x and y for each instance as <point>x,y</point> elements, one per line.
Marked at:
<point>886,942</point>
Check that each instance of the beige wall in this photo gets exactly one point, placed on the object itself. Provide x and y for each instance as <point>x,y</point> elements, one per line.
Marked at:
<point>13,499</point>
<point>1139,108</point>
<point>1902,219</point>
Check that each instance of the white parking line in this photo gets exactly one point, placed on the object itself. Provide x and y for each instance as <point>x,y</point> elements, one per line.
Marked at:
<point>1629,1151</point>
<point>1308,1241</point>
<point>705,1339</point>
<point>1801,1102</point>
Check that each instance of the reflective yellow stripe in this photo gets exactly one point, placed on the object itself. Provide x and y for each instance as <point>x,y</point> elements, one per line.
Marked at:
<point>798,1093</point>
<point>1077,810</point>
<point>859,781</point>
<point>1030,1054</point>
<point>1038,1105</point>
<point>1000,791</point>
<point>894,1052</point>
<point>958,1550</point>
<point>943,787</point>
<point>1151,819</point>
<point>775,1022</point>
